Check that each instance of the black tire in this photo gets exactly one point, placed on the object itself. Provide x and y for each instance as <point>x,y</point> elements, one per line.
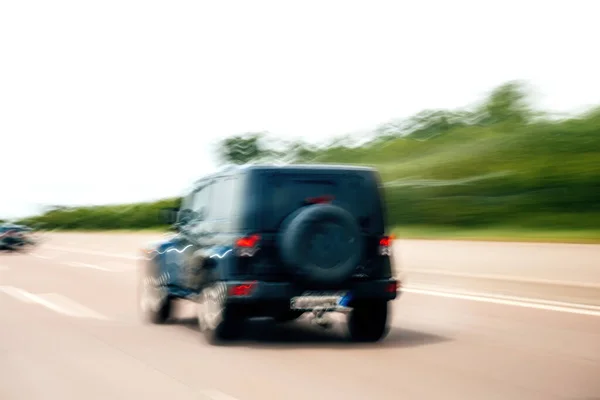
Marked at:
<point>321,244</point>
<point>368,321</point>
<point>226,322</point>
<point>149,291</point>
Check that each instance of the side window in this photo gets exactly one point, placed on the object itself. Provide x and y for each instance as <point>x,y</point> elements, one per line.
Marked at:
<point>185,209</point>
<point>187,201</point>
<point>222,201</point>
<point>201,202</point>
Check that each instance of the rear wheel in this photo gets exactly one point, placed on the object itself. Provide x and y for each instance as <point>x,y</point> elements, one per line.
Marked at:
<point>218,321</point>
<point>154,304</point>
<point>368,321</point>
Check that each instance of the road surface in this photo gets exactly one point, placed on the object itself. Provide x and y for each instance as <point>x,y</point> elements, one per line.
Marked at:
<point>70,330</point>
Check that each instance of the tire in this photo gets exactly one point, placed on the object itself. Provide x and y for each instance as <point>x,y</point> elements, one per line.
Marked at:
<point>321,244</point>
<point>218,321</point>
<point>154,303</point>
<point>368,321</point>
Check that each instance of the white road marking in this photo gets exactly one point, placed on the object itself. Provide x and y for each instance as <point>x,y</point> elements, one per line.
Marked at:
<point>85,265</point>
<point>41,256</point>
<point>504,297</point>
<point>16,293</point>
<point>121,266</point>
<point>95,253</point>
<point>53,301</point>
<point>217,395</point>
<point>496,277</point>
<point>539,304</point>
<point>73,308</point>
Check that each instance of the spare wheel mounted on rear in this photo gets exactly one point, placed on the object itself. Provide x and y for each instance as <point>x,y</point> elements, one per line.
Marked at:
<point>321,244</point>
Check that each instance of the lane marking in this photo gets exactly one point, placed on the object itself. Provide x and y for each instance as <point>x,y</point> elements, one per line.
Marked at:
<point>41,256</point>
<point>15,293</point>
<point>95,253</point>
<point>74,308</point>
<point>500,278</point>
<point>53,301</point>
<point>217,395</point>
<point>85,265</point>
<point>505,297</point>
<point>572,308</point>
<point>121,267</point>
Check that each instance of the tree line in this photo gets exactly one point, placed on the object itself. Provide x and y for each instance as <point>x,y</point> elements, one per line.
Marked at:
<point>500,163</point>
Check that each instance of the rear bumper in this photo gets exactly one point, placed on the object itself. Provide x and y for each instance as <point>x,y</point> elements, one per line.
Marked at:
<point>278,292</point>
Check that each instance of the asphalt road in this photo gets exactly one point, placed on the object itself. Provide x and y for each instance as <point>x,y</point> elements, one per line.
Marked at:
<point>465,328</point>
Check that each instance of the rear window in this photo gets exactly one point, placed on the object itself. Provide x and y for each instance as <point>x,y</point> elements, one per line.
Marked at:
<point>285,192</point>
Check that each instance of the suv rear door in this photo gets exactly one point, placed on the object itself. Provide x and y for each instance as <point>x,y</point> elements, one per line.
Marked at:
<point>280,192</point>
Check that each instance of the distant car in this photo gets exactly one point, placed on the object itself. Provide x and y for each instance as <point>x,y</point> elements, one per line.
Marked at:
<point>14,237</point>
<point>276,241</point>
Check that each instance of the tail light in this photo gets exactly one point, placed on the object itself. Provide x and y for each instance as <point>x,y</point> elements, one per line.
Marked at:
<point>385,245</point>
<point>392,287</point>
<point>242,289</point>
<point>247,246</point>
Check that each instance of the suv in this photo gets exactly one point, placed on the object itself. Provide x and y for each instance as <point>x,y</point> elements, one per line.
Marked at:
<point>275,241</point>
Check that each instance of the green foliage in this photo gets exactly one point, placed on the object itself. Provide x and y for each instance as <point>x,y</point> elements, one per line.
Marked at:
<point>128,216</point>
<point>499,165</point>
<point>543,175</point>
<point>242,149</point>
<point>507,104</point>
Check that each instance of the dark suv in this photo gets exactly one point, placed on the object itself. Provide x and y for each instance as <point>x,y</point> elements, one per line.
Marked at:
<point>276,241</point>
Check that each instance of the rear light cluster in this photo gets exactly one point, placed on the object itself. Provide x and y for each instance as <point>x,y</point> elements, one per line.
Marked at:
<point>242,289</point>
<point>392,287</point>
<point>385,245</point>
<point>247,246</point>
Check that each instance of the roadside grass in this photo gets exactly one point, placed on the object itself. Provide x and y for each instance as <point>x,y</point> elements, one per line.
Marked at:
<point>499,234</point>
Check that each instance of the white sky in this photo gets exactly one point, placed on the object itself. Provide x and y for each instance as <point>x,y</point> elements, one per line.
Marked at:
<point>119,101</point>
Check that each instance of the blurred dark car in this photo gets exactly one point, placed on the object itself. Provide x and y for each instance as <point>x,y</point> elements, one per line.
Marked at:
<point>15,237</point>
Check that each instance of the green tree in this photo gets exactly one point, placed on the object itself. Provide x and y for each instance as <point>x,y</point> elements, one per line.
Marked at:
<point>242,149</point>
<point>508,103</point>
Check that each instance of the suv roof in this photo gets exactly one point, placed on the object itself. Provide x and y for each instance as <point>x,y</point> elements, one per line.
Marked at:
<point>308,166</point>
<point>232,169</point>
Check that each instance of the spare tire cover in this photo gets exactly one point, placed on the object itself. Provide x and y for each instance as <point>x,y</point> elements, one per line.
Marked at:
<point>321,244</point>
